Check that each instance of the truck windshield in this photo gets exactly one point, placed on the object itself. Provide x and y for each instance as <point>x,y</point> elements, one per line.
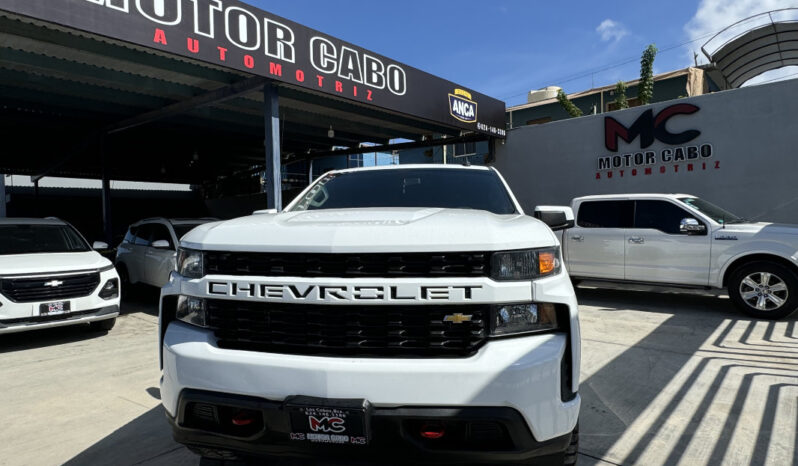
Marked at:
<point>30,239</point>
<point>711,210</point>
<point>450,188</point>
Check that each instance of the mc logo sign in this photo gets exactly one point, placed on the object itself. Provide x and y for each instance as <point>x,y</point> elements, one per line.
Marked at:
<point>326,424</point>
<point>648,127</point>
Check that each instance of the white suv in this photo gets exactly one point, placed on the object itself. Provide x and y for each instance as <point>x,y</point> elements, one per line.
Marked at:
<point>409,313</point>
<point>148,252</point>
<point>50,277</point>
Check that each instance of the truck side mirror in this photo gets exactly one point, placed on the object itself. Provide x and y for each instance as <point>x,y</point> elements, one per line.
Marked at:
<point>556,217</point>
<point>161,244</point>
<point>691,226</point>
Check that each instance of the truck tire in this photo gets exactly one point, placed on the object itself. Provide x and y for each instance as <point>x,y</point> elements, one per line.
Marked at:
<point>572,452</point>
<point>764,290</point>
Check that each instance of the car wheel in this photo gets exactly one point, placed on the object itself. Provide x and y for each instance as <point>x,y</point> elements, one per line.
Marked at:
<point>102,325</point>
<point>124,281</point>
<point>764,290</point>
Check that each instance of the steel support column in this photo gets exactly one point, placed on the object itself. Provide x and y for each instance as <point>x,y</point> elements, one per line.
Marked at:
<point>2,195</point>
<point>106,194</point>
<point>271,111</point>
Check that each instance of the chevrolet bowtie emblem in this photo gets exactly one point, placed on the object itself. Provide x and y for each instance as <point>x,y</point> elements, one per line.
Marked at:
<point>457,318</point>
<point>54,283</point>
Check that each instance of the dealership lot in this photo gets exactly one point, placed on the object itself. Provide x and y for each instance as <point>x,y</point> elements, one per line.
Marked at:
<point>667,378</point>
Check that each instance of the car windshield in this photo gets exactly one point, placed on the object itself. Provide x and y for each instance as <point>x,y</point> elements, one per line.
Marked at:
<point>450,188</point>
<point>183,228</point>
<point>30,239</point>
<point>711,210</point>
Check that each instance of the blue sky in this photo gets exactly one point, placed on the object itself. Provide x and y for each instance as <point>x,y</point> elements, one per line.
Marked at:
<point>506,48</point>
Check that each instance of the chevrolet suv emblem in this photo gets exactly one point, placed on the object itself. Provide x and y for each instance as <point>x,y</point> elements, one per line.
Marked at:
<point>457,318</point>
<point>54,283</point>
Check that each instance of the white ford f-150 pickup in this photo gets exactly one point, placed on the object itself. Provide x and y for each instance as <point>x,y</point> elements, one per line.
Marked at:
<point>682,240</point>
<point>394,314</point>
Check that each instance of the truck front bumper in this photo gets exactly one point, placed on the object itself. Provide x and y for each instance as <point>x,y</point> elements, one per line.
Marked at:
<point>524,375</point>
<point>484,435</point>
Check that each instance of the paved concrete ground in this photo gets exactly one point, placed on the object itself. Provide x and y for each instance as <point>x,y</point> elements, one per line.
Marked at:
<point>667,378</point>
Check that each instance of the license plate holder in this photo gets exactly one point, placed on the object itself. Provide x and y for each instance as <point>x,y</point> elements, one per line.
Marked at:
<point>329,421</point>
<point>54,308</point>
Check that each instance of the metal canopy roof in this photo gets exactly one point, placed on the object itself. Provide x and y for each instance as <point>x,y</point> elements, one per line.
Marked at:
<point>60,89</point>
<point>757,44</point>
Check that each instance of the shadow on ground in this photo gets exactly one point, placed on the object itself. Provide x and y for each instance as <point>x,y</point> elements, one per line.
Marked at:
<point>626,393</point>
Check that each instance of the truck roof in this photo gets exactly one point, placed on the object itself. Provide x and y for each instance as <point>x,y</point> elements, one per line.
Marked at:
<point>415,166</point>
<point>631,196</point>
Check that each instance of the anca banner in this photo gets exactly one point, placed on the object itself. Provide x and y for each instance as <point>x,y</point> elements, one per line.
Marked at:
<point>236,35</point>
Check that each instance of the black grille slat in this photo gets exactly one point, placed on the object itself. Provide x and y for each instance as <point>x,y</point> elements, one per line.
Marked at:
<point>27,290</point>
<point>461,264</point>
<point>365,331</point>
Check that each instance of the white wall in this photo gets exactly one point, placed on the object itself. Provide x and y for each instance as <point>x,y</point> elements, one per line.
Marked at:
<point>754,136</point>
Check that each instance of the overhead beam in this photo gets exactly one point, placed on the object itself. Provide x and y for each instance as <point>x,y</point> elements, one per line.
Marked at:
<point>212,97</point>
<point>472,137</point>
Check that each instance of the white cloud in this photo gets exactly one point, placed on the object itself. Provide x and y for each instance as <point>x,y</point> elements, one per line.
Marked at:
<point>611,30</point>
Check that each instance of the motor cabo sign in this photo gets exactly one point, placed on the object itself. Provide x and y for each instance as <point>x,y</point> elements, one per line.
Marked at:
<point>236,35</point>
<point>682,153</point>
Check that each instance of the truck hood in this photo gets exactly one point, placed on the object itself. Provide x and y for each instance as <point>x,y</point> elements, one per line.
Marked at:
<point>762,228</point>
<point>373,230</point>
<point>22,264</point>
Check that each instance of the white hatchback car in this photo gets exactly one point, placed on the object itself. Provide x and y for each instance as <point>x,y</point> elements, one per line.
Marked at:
<point>149,251</point>
<point>50,277</point>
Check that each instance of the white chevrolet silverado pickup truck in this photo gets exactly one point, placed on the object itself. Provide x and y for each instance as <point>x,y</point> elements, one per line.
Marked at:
<point>394,314</point>
<point>681,240</point>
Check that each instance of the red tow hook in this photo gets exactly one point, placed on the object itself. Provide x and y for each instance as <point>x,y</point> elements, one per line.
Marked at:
<point>242,418</point>
<point>432,431</point>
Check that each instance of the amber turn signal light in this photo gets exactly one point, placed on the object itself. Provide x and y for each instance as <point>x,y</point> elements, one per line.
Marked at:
<point>547,262</point>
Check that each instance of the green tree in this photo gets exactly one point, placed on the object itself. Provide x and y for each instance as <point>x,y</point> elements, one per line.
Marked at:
<point>645,90</point>
<point>569,106</point>
<point>620,95</point>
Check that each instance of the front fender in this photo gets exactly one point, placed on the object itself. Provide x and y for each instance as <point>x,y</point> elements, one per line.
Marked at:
<point>750,248</point>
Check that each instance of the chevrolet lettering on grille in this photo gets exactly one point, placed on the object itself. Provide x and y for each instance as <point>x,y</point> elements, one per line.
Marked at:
<point>279,292</point>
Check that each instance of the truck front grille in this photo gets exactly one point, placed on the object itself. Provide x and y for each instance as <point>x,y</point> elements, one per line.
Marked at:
<point>361,331</point>
<point>51,288</point>
<point>416,264</point>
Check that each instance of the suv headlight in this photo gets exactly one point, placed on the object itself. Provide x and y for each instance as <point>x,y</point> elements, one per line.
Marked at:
<point>511,319</point>
<point>192,311</point>
<point>525,264</point>
<point>190,263</point>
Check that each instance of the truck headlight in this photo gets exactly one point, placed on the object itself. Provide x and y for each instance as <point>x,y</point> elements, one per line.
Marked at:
<point>525,264</point>
<point>192,311</point>
<point>190,263</point>
<point>511,319</point>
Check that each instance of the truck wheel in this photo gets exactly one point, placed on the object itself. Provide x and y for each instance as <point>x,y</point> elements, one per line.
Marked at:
<point>764,290</point>
<point>572,452</point>
<point>102,325</point>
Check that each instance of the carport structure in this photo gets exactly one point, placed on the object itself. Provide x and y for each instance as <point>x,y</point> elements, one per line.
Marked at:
<point>186,91</point>
<point>754,45</point>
